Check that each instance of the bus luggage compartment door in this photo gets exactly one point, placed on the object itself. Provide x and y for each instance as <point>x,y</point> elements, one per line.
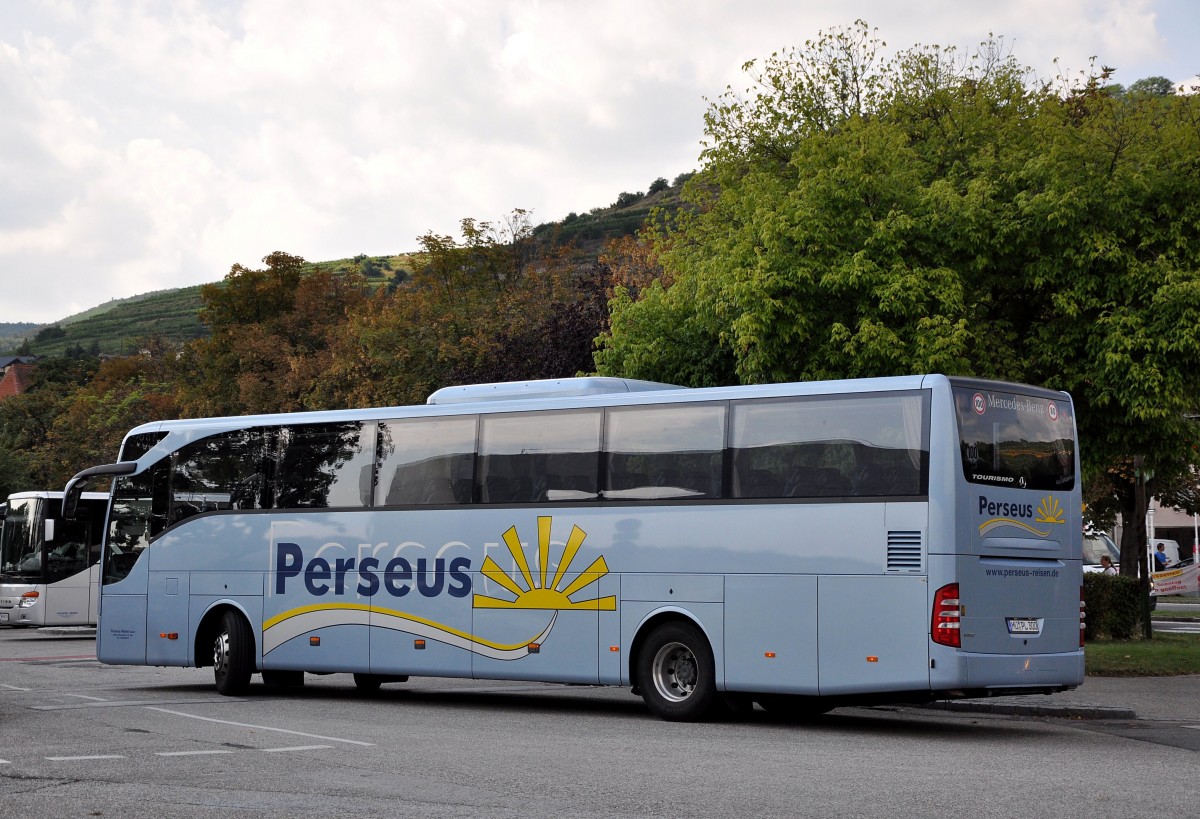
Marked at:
<point>873,633</point>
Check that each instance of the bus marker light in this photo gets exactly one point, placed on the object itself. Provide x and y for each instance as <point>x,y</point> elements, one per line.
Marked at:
<point>770,655</point>
<point>535,648</point>
<point>614,648</point>
<point>314,641</point>
<point>419,645</point>
<point>872,659</point>
<point>169,635</point>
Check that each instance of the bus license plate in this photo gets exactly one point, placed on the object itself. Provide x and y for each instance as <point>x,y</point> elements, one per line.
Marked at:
<point>3,616</point>
<point>1022,625</point>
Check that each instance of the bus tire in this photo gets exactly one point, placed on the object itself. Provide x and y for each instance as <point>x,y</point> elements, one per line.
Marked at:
<point>233,655</point>
<point>675,673</point>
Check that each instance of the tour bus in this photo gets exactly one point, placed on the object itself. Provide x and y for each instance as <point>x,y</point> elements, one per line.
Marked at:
<point>49,567</point>
<point>800,546</point>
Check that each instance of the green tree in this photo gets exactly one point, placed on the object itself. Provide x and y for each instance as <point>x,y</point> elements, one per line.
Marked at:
<point>859,217</point>
<point>494,304</point>
<point>271,330</point>
<point>1154,86</point>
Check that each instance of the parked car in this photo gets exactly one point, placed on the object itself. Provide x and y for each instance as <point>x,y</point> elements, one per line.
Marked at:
<point>1095,546</point>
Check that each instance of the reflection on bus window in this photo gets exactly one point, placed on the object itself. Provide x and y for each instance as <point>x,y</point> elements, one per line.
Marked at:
<point>858,446</point>
<point>535,457</point>
<point>325,465</point>
<point>672,451</point>
<point>426,461</point>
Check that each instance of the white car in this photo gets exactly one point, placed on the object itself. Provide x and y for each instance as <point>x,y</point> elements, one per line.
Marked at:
<point>1095,546</point>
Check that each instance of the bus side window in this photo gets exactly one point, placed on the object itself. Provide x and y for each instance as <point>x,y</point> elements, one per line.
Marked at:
<point>665,451</point>
<point>828,446</point>
<point>425,461</point>
<point>324,465</point>
<point>539,457</point>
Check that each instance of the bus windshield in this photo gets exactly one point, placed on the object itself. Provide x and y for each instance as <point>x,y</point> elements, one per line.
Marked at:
<point>1010,439</point>
<point>18,557</point>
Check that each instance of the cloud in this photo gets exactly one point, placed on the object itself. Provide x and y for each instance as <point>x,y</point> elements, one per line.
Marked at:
<point>153,145</point>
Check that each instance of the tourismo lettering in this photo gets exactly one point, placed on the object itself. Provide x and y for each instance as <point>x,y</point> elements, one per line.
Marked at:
<point>397,577</point>
<point>995,509</point>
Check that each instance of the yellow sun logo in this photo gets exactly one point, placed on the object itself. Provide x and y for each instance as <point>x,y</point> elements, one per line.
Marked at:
<point>544,592</point>
<point>1050,511</point>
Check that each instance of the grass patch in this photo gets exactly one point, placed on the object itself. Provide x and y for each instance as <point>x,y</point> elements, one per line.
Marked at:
<point>1166,655</point>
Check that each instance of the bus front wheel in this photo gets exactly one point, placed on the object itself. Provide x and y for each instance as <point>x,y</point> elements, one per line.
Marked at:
<point>675,673</point>
<point>233,655</point>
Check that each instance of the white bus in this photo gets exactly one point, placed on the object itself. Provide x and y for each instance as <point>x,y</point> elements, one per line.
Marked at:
<point>801,546</point>
<point>49,567</point>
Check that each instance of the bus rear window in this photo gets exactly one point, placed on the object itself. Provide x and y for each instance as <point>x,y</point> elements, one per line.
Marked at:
<point>1009,439</point>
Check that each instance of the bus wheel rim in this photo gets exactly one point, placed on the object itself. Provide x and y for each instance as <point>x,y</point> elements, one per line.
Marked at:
<point>675,672</point>
<point>221,653</point>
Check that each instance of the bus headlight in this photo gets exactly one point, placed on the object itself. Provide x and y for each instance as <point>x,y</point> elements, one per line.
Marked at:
<point>28,599</point>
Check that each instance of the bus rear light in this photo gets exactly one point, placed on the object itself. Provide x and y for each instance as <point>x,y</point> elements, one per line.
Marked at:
<point>28,599</point>
<point>1082,617</point>
<point>947,615</point>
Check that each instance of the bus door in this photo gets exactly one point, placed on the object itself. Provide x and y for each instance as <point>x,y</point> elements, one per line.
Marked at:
<point>138,513</point>
<point>68,581</point>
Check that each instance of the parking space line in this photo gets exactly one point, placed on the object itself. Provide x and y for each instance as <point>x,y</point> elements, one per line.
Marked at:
<point>133,703</point>
<point>295,748</point>
<point>86,697</point>
<point>260,727</point>
<point>12,687</point>
<point>4,762</point>
<point>191,753</point>
<point>83,758</point>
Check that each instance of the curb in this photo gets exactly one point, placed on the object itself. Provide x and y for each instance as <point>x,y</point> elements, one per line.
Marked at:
<point>1024,709</point>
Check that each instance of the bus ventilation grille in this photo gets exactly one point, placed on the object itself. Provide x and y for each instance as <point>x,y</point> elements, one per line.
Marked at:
<point>904,552</point>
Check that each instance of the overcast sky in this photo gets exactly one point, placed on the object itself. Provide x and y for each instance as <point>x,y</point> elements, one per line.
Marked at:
<point>151,145</point>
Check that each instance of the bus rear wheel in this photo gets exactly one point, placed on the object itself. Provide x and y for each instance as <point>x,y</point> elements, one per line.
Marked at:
<point>675,673</point>
<point>233,650</point>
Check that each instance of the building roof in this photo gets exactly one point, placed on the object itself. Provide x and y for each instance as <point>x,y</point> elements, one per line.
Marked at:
<point>16,379</point>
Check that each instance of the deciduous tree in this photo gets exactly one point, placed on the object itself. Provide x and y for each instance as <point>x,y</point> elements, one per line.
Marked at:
<point>861,217</point>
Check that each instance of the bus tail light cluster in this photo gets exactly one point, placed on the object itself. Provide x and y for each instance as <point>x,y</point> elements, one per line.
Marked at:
<point>28,599</point>
<point>947,616</point>
<point>1082,616</point>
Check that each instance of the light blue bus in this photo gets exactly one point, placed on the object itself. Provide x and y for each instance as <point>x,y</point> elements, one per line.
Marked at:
<point>800,546</point>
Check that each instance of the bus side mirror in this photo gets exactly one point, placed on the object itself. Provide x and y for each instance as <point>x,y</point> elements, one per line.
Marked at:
<point>49,537</point>
<point>74,490</point>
